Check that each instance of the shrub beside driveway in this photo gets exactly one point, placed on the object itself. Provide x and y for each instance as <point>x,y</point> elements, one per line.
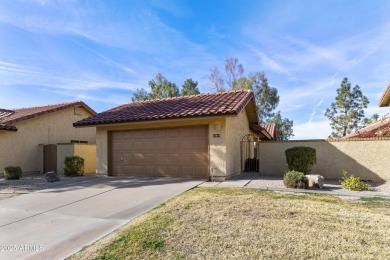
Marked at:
<point>219,223</point>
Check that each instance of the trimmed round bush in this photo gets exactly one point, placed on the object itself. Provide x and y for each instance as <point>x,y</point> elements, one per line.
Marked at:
<point>300,158</point>
<point>296,180</point>
<point>74,166</point>
<point>12,172</point>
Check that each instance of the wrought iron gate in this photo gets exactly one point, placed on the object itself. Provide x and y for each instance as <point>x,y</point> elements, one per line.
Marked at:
<point>249,154</point>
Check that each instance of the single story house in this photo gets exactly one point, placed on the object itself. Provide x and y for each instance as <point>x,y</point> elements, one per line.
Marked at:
<point>27,133</point>
<point>385,99</point>
<point>380,128</point>
<point>194,136</point>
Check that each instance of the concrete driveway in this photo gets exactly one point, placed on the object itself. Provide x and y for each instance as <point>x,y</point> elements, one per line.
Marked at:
<point>55,223</point>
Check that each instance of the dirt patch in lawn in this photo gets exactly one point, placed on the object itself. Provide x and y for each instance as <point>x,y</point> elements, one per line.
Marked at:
<point>217,223</point>
<point>7,196</point>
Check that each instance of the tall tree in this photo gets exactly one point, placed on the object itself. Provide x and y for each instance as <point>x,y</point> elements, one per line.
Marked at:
<point>189,87</point>
<point>266,97</point>
<point>234,71</point>
<point>140,95</point>
<point>346,114</point>
<point>217,81</point>
<point>284,127</point>
<point>370,120</point>
<point>162,88</point>
<point>243,83</point>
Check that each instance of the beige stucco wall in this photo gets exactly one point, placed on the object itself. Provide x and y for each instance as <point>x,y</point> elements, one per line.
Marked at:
<point>22,147</point>
<point>217,145</point>
<point>237,127</point>
<point>224,151</point>
<point>102,151</point>
<point>368,159</point>
<point>86,151</point>
<point>63,150</point>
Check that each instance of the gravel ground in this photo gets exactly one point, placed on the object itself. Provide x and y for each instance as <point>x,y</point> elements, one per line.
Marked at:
<point>35,183</point>
<point>272,182</point>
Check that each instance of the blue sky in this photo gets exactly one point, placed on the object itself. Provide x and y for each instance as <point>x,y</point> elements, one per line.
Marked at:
<point>101,51</point>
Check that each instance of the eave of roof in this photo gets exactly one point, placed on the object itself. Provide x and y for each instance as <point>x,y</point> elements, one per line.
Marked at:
<point>271,129</point>
<point>4,127</point>
<point>385,99</point>
<point>261,130</point>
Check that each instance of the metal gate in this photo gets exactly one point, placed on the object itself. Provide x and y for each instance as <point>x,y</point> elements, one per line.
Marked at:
<point>249,154</point>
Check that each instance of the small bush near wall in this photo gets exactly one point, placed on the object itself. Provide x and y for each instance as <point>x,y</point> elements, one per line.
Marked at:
<point>12,172</point>
<point>353,183</point>
<point>294,179</point>
<point>300,158</point>
<point>74,166</point>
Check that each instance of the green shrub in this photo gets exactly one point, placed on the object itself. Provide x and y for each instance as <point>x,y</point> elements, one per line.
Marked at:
<point>74,166</point>
<point>353,183</point>
<point>300,158</point>
<point>294,179</point>
<point>12,172</point>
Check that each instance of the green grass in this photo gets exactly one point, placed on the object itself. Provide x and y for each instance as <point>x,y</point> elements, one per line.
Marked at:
<point>225,223</point>
<point>374,199</point>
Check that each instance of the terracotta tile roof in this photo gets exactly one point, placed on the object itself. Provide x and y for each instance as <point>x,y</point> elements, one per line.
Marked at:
<point>9,117</point>
<point>266,130</point>
<point>385,99</point>
<point>4,113</point>
<point>271,129</point>
<point>222,103</point>
<point>371,128</point>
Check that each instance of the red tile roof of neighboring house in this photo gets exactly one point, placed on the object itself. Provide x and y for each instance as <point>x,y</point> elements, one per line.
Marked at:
<point>385,99</point>
<point>221,103</point>
<point>9,117</point>
<point>271,129</point>
<point>268,130</point>
<point>371,128</point>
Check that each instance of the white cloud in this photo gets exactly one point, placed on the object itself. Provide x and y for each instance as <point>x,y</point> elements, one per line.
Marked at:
<point>215,33</point>
<point>25,75</point>
<point>312,130</point>
<point>269,63</point>
<point>313,113</point>
<point>375,109</point>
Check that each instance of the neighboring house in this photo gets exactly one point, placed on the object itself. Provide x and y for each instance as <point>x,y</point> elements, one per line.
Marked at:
<point>385,99</point>
<point>25,133</point>
<point>193,136</point>
<point>379,128</point>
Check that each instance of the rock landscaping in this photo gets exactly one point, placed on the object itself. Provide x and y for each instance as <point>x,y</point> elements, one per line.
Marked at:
<point>315,181</point>
<point>29,184</point>
<point>51,177</point>
<point>332,187</point>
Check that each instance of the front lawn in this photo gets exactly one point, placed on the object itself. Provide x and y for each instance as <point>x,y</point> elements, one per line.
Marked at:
<point>217,223</point>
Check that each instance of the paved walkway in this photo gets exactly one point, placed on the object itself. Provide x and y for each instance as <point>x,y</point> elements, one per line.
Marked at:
<point>55,223</point>
<point>256,181</point>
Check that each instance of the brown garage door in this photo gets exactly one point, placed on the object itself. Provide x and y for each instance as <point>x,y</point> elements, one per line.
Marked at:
<point>173,152</point>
